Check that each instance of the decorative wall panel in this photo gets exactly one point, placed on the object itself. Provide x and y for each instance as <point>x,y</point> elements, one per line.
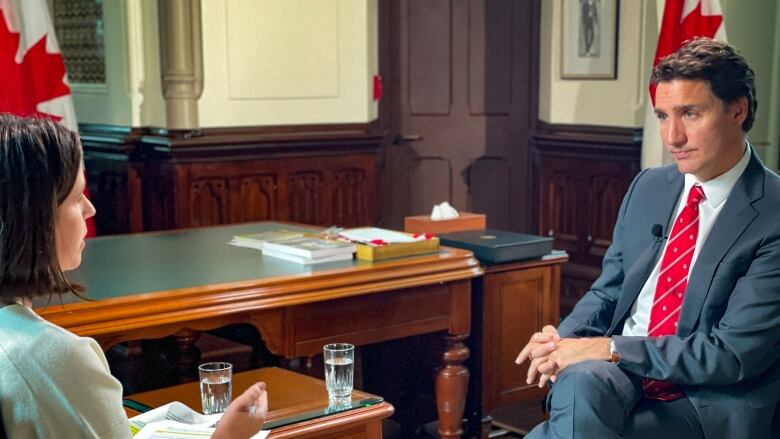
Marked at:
<point>209,201</point>
<point>305,196</point>
<point>155,180</point>
<point>259,198</point>
<point>79,28</point>
<point>349,207</point>
<point>583,173</point>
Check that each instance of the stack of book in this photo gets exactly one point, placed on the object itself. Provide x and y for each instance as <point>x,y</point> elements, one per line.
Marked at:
<point>375,244</point>
<point>296,247</point>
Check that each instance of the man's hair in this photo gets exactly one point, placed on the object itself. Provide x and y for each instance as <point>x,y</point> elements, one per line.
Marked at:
<point>721,66</point>
<point>39,163</point>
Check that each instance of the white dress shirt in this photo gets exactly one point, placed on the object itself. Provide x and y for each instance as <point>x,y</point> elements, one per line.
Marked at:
<point>716,191</point>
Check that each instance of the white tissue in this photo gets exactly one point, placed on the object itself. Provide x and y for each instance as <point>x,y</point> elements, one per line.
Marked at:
<point>443,211</point>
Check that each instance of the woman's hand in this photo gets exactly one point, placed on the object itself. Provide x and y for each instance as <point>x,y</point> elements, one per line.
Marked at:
<point>245,415</point>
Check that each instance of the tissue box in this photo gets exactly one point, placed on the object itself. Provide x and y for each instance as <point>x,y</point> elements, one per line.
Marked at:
<point>424,223</point>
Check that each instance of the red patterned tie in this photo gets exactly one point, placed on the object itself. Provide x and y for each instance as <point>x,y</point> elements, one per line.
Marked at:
<point>672,281</point>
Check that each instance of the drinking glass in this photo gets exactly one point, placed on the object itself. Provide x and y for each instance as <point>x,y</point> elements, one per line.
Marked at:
<point>216,390</point>
<point>339,370</point>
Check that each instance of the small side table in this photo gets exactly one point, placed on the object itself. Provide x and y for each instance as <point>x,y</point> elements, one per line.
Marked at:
<point>290,396</point>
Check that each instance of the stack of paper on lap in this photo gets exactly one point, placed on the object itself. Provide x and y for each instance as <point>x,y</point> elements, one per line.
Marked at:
<point>176,420</point>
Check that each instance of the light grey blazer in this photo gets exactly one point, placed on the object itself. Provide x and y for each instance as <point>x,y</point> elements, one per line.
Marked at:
<point>726,353</point>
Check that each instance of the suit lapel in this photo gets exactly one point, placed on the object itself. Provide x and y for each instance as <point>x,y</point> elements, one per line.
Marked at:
<point>637,274</point>
<point>736,215</point>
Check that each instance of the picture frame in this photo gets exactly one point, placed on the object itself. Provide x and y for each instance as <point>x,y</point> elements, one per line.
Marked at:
<point>589,39</point>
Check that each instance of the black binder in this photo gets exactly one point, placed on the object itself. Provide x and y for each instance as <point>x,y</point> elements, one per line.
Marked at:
<point>496,246</point>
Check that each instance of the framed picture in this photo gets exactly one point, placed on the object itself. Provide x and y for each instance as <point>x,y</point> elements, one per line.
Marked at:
<point>589,39</point>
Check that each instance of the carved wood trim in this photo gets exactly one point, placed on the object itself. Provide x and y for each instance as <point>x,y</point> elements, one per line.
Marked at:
<point>258,198</point>
<point>348,199</point>
<point>211,145</point>
<point>364,422</point>
<point>159,179</point>
<point>305,197</point>
<point>582,173</point>
<point>585,140</point>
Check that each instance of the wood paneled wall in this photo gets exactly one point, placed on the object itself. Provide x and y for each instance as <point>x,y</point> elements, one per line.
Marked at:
<point>580,176</point>
<point>151,180</point>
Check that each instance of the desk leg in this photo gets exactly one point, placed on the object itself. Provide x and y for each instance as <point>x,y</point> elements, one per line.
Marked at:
<point>451,385</point>
<point>187,355</point>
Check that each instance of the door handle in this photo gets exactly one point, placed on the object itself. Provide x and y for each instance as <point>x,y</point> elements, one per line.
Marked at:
<point>405,138</point>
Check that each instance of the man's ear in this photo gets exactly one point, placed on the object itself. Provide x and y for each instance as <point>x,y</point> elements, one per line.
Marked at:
<point>738,110</point>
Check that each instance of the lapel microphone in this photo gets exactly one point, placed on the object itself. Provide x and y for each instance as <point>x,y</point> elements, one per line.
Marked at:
<point>658,231</point>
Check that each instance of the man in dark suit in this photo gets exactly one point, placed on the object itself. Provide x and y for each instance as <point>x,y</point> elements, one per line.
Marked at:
<point>680,335</point>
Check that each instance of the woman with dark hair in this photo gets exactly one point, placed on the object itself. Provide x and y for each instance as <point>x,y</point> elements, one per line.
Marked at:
<point>53,382</point>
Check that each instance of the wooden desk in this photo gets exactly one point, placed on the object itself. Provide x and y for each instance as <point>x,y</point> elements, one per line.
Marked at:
<point>289,394</point>
<point>153,285</point>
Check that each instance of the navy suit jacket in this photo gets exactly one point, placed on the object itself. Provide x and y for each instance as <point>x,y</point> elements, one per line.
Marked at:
<point>726,353</point>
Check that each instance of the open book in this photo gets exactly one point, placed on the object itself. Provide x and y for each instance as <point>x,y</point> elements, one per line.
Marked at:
<point>176,420</point>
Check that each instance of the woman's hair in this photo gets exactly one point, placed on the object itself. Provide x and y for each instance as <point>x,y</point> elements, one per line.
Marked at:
<point>715,62</point>
<point>39,163</point>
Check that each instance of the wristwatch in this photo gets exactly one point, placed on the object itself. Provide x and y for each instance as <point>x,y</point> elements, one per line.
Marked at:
<point>614,357</point>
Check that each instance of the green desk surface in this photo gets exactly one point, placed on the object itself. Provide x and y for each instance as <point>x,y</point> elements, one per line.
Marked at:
<point>116,266</point>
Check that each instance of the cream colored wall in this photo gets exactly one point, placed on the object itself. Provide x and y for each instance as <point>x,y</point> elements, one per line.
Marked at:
<point>132,93</point>
<point>274,62</point>
<point>266,62</point>
<point>618,102</point>
<point>755,30</point>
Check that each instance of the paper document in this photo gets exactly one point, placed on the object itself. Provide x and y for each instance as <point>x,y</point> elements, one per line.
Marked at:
<point>176,421</point>
<point>258,240</point>
<point>369,235</point>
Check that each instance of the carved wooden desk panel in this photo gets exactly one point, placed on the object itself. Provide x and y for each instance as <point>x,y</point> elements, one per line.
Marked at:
<point>174,283</point>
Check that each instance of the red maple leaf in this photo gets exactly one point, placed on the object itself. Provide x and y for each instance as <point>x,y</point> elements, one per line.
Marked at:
<point>38,78</point>
<point>697,25</point>
<point>693,25</point>
<point>673,35</point>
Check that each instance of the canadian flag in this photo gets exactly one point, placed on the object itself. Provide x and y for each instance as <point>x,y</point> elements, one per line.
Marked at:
<point>682,20</point>
<point>33,80</point>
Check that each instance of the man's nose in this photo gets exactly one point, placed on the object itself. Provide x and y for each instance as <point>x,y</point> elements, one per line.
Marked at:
<point>674,134</point>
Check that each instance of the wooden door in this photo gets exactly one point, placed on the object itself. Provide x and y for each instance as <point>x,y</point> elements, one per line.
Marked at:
<point>460,96</point>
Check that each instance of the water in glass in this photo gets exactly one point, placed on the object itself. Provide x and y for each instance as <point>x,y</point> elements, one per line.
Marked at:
<point>338,377</point>
<point>215,394</point>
